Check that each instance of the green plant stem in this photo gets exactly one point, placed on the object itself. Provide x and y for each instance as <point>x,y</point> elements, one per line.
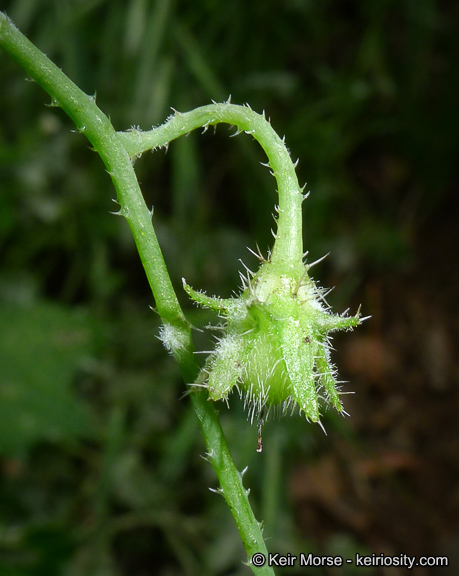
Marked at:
<point>288,246</point>
<point>97,128</point>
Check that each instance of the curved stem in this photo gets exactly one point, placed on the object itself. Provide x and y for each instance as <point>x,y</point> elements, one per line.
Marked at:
<point>112,148</point>
<point>288,246</point>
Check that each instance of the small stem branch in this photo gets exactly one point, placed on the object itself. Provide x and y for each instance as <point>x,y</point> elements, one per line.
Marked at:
<point>288,247</point>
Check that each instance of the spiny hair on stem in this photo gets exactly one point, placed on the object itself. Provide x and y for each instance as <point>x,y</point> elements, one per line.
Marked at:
<point>54,103</point>
<point>259,255</point>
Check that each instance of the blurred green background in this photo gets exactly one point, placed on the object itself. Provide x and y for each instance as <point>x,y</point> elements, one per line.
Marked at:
<point>100,455</point>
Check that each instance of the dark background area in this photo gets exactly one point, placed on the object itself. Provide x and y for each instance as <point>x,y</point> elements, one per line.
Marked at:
<point>100,467</point>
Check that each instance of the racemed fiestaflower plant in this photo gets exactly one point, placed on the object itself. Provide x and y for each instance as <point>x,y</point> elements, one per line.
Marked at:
<point>274,345</point>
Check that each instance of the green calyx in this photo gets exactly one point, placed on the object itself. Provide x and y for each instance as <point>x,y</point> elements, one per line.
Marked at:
<point>275,349</point>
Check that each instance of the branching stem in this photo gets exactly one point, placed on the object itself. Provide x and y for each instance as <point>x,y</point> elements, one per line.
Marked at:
<point>288,247</point>
<point>117,151</point>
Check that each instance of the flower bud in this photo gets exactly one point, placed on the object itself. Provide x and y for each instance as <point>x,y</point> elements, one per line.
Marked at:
<point>275,349</point>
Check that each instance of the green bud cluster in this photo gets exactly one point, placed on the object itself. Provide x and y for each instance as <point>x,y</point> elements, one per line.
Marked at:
<point>275,348</point>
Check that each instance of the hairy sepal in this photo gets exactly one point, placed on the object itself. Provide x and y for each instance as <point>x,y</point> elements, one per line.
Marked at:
<point>299,356</point>
<point>275,346</point>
